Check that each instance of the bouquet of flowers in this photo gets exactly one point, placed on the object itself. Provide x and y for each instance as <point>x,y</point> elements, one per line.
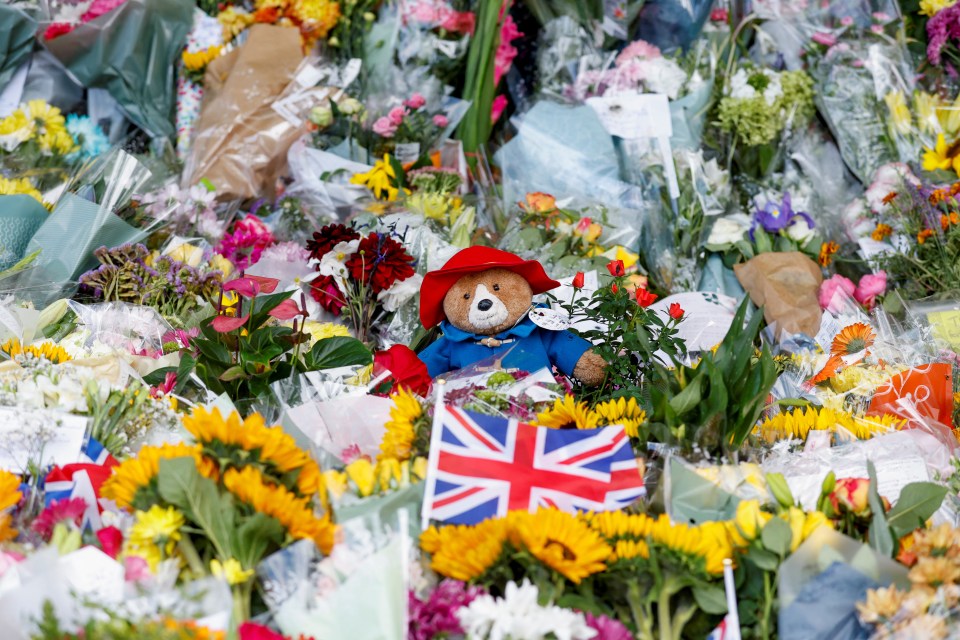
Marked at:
<point>435,35</point>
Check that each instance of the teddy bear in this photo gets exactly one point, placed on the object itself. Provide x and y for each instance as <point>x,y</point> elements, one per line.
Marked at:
<point>482,298</point>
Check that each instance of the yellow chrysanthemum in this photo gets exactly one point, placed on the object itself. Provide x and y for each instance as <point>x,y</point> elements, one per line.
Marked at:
<point>401,429</point>
<point>231,571</point>
<point>380,179</point>
<point>858,377</point>
<point>797,424</point>
<point>622,411</point>
<point>317,17</point>
<point>465,552</point>
<point>159,526</point>
<point>56,140</point>
<point>134,474</point>
<point>233,21</point>
<point>560,541</point>
<point>295,514</point>
<point>48,350</point>
<point>16,129</point>
<point>273,445</point>
<point>568,413</point>
<point>199,60</point>
<point>19,186</point>
<point>9,490</point>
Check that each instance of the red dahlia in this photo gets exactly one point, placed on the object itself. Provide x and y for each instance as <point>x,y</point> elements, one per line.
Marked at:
<point>328,237</point>
<point>380,261</point>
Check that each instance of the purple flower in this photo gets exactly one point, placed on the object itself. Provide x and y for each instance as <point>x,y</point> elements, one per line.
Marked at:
<point>942,27</point>
<point>775,216</point>
<point>438,614</point>
<point>607,628</point>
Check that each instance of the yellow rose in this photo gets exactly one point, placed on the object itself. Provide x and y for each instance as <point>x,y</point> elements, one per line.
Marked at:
<point>748,522</point>
<point>187,254</point>
<point>796,518</point>
<point>361,473</point>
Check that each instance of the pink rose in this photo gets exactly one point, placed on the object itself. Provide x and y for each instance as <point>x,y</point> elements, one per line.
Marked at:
<point>397,115</point>
<point>496,109</point>
<point>829,301</point>
<point>871,286</point>
<point>440,120</point>
<point>384,127</point>
<point>826,39</point>
<point>415,102</point>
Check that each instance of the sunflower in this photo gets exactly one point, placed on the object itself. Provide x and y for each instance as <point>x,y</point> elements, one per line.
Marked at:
<point>568,414</point>
<point>622,411</point>
<point>560,541</point>
<point>7,531</point>
<point>295,514</point>
<point>852,339</point>
<point>381,179</point>
<point>9,490</point>
<point>629,550</point>
<point>401,430</point>
<point>199,60</point>
<point>465,552</point>
<point>47,350</point>
<point>134,474</point>
<point>798,423</point>
<point>617,525</point>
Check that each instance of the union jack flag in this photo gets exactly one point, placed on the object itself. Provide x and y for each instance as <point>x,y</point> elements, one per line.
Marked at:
<point>484,466</point>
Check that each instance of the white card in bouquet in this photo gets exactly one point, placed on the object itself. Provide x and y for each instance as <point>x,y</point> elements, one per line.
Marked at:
<point>94,575</point>
<point>634,115</point>
<point>707,317</point>
<point>38,436</point>
<point>550,319</point>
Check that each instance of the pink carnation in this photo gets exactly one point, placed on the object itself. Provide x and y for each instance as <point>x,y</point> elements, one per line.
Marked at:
<point>871,286</point>
<point>384,127</point>
<point>244,246</point>
<point>440,120</point>
<point>638,49</point>
<point>829,300</point>
<point>396,115</point>
<point>415,102</point>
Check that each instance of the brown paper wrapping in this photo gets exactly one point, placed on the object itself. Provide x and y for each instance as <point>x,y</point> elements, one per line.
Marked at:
<point>786,285</point>
<point>240,143</point>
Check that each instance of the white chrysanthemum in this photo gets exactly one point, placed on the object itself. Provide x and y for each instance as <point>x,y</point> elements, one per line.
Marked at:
<point>517,616</point>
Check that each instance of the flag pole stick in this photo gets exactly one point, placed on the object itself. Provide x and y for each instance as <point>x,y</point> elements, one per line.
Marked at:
<point>733,615</point>
<point>433,461</point>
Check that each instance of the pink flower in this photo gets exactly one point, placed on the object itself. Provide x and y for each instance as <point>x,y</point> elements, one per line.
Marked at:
<point>719,15</point>
<point>56,30</point>
<point>876,28</point>
<point>828,292</point>
<point>136,569</point>
<point>226,324</point>
<point>846,21</point>
<point>58,511</point>
<point>638,49</point>
<point>496,109</point>
<point>440,120</point>
<point>246,243</point>
<point>286,310</point>
<point>415,102</point>
<point>826,39</point>
<point>871,286</point>
<point>253,631</point>
<point>111,541</point>
<point>396,115</point>
<point>458,22</point>
<point>383,127</point>
<point>505,51</point>
<point>424,12</point>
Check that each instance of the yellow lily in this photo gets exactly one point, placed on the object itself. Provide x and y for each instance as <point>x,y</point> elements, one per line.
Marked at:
<point>380,179</point>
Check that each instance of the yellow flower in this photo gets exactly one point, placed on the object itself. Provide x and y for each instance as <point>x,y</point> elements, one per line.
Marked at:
<point>931,8</point>
<point>814,520</point>
<point>317,17</point>
<point>925,104</point>
<point>159,526</point>
<point>934,572</point>
<point>900,119</point>
<point>748,522</point>
<point>401,430</point>
<point>335,482</point>
<point>136,473</point>
<point>629,550</point>
<point>881,605</point>
<point>940,540</point>
<point>419,468</point>
<point>622,411</point>
<point>381,180</point>
<point>233,21</point>
<point>9,490</point>
<point>949,116</point>
<point>323,330</point>
<point>389,473</point>
<point>617,253</point>
<point>19,186</point>
<point>199,60</point>
<point>231,571</point>
<point>48,350</point>
<point>798,423</point>
<point>560,541</point>
<point>295,514</point>
<point>7,531</point>
<point>465,552</point>
<point>188,254</point>
<point>568,413</point>
<point>361,473</point>
<point>941,157</point>
<point>221,264</point>
<point>56,140</point>
<point>15,129</point>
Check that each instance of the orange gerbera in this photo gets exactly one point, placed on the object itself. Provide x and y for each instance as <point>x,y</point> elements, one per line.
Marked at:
<point>853,339</point>
<point>827,249</point>
<point>830,369</point>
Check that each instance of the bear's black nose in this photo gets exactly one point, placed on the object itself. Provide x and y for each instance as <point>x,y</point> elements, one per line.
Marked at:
<point>484,305</point>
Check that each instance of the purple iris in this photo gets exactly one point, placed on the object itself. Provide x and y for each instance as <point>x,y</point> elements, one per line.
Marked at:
<point>775,217</point>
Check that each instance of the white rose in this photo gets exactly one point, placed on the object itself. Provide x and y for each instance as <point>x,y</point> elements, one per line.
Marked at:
<point>400,292</point>
<point>799,230</point>
<point>665,76</point>
<point>729,230</point>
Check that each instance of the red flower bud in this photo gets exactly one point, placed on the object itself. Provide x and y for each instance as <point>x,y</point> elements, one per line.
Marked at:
<point>645,298</point>
<point>578,280</point>
<point>675,311</point>
<point>614,288</point>
<point>616,269</point>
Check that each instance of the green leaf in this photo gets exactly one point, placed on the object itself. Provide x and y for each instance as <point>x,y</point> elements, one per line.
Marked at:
<point>881,538</point>
<point>254,537</point>
<point>262,305</point>
<point>156,377</point>
<point>764,559</point>
<point>233,373</point>
<point>339,351</point>
<point>214,351</point>
<point>918,501</point>
<point>690,397</point>
<point>180,484</point>
<point>710,598</point>
<point>776,536</point>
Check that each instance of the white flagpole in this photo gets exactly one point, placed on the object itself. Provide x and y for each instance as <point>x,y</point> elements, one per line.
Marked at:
<point>733,616</point>
<point>433,461</point>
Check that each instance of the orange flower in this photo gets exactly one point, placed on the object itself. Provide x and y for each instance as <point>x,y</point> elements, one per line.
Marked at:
<point>954,218</point>
<point>887,199</point>
<point>944,222</point>
<point>830,369</point>
<point>938,196</point>
<point>882,232</point>
<point>923,235</point>
<point>827,249</point>
<point>538,202</point>
<point>853,339</point>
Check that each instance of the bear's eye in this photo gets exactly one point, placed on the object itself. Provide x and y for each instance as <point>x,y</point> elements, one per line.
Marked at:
<point>496,287</point>
<point>466,296</point>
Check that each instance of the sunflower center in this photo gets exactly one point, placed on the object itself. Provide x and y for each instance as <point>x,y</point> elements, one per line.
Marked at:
<point>567,552</point>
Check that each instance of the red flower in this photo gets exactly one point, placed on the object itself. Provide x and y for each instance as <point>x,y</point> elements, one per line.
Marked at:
<point>614,288</point>
<point>616,269</point>
<point>58,511</point>
<point>578,280</point>
<point>56,30</point>
<point>246,287</point>
<point>675,311</point>
<point>645,298</point>
<point>226,324</point>
<point>326,292</point>
<point>328,237</point>
<point>380,261</point>
<point>406,369</point>
<point>253,631</point>
<point>111,541</point>
<point>286,310</point>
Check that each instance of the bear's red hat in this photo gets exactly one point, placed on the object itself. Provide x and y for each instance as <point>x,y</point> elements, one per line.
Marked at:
<point>474,260</point>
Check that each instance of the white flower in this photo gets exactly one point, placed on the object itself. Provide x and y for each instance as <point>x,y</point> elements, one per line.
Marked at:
<point>663,75</point>
<point>334,262</point>
<point>799,230</point>
<point>888,178</point>
<point>517,616</point>
<point>729,230</point>
<point>400,292</point>
<point>741,88</point>
<point>856,221</point>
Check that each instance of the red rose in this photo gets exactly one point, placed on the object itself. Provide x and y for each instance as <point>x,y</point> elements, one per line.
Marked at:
<point>578,280</point>
<point>616,269</point>
<point>645,298</point>
<point>406,369</point>
<point>325,291</point>
<point>675,311</point>
<point>111,541</point>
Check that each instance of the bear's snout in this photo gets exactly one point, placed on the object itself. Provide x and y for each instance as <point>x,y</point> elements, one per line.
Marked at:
<point>485,304</point>
<point>488,311</point>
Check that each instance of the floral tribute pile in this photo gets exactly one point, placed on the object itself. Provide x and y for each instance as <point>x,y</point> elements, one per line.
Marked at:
<point>701,380</point>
